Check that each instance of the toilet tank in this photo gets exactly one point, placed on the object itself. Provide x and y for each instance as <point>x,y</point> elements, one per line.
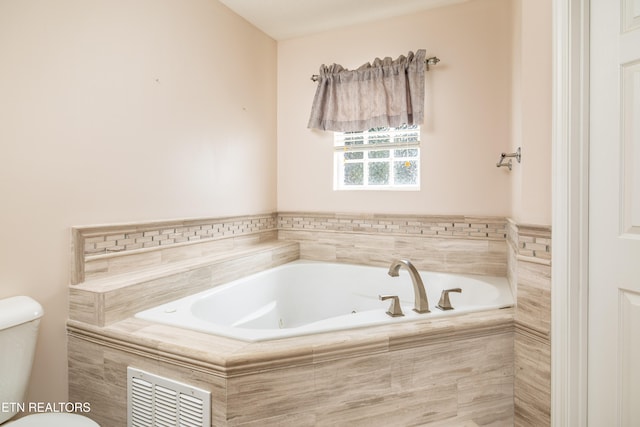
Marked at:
<point>19,320</point>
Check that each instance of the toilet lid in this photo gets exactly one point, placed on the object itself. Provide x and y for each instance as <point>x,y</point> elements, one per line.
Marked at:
<point>58,419</point>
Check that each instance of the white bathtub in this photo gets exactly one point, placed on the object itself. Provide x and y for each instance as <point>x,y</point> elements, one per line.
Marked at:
<point>308,297</point>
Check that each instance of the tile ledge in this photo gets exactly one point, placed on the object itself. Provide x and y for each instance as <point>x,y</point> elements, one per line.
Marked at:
<point>117,281</point>
<point>524,225</point>
<point>235,358</point>
<point>534,260</point>
<point>532,332</point>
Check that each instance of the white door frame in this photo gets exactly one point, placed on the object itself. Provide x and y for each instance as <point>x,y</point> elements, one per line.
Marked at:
<point>570,161</point>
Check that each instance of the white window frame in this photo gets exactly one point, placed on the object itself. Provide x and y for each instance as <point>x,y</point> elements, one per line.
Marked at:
<point>368,144</point>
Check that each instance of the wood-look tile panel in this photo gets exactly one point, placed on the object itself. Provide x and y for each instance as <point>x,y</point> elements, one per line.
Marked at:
<point>269,394</point>
<point>487,397</point>
<point>285,381</point>
<point>532,383</point>
<point>352,379</point>
<point>534,296</point>
<point>474,256</point>
<point>432,403</point>
<point>451,361</point>
<point>86,306</point>
<point>304,419</point>
<point>98,375</point>
<point>87,383</point>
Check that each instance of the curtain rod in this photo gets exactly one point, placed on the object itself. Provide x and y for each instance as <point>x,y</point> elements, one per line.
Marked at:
<point>429,61</point>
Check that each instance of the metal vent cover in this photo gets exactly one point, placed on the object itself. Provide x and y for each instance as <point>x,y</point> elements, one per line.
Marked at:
<point>156,401</point>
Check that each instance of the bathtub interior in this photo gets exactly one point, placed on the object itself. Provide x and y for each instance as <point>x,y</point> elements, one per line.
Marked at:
<point>306,297</point>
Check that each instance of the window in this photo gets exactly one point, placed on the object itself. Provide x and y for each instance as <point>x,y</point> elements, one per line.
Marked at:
<point>378,159</point>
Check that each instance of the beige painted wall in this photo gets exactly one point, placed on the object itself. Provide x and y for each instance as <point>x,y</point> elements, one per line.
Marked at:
<point>468,112</point>
<point>114,111</point>
<point>531,114</point>
<point>490,94</point>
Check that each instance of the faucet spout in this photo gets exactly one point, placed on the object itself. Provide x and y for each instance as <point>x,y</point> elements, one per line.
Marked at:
<point>420,304</point>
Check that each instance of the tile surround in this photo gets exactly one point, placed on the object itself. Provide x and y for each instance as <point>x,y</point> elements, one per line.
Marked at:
<point>530,274</point>
<point>100,251</point>
<point>107,263</point>
<point>326,379</point>
<point>452,243</point>
<point>456,244</point>
<point>532,380</point>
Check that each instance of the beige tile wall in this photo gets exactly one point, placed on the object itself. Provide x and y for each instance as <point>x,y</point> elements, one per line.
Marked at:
<point>447,372</point>
<point>100,251</point>
<point>456,244</point>
<point>532,382</point>
<point>530,267</point>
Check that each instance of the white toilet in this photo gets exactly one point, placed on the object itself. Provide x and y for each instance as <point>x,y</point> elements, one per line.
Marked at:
<point>19,320</point>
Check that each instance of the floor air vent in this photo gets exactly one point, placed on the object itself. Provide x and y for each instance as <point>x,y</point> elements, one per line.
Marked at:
<point>156,401</point>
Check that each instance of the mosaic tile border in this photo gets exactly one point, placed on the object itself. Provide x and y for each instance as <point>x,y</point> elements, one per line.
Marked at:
<point>129,237</point>
<point>109,239</point>
<point>534,242</point>
<point>93,244</point>
<point>487,228</point>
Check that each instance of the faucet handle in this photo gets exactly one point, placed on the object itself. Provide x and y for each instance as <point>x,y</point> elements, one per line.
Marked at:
<point>445,303</point>
<point>394,309</point>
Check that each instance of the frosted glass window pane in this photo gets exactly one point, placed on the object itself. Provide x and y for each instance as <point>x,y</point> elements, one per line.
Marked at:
<point>353,174</point>
<point>378,173</point>
<point>406,172</point>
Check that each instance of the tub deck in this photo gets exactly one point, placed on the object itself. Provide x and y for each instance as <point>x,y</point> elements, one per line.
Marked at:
<point>309,297</point>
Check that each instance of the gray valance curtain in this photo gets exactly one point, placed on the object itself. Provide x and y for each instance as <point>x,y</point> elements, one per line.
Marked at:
<point>387,93</point>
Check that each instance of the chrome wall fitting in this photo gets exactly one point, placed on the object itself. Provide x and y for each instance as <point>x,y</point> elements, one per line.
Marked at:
<point>503,156</point>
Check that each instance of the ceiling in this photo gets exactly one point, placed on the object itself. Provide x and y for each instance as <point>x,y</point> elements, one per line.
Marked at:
<point>283,19</point>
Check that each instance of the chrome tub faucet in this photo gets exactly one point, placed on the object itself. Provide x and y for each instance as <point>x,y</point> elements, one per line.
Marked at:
<point>420,304</point>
